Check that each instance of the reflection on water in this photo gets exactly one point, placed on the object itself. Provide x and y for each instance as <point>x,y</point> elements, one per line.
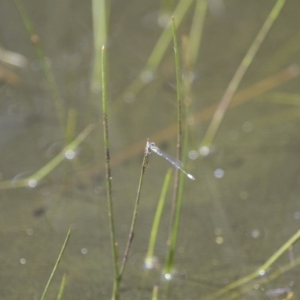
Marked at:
<point>244,203</point>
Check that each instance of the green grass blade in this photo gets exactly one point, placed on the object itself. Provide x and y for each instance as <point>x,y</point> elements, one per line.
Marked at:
<point>157,218</point>
<point>239,74</point>
<point>100,20</point>
<point>56,264</point>
<point>172,239</point>
<point>260,271</point>
<point>62,287</point>
<point>160,48</point>
<point>58,101</point>
<point>196,31</point>
<point>40,174</point>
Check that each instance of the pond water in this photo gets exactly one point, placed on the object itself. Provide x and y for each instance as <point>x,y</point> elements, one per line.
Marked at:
<point>242,207</point>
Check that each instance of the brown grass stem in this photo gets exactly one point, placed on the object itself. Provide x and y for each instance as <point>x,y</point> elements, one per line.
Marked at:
<point>115,294</point>
<point>135,212</point>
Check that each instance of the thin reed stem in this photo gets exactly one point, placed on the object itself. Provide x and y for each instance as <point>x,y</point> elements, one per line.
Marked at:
<point>35,39</point>
<point>71,125</point>
<point>263,280</point>
<point>62,287</point>
<point>260,271</point>
<point>174,214</point>
<point>135,212</point>
<point>196,31</point>
<point>159,49</point>
<point>100,21</point>
<point>175,225</point>
<point>155,293</point>
<point>56,264</point>
<point>115,294</point>
<point>157,218</point>
<point>33,180</point>
<point>239,74</point>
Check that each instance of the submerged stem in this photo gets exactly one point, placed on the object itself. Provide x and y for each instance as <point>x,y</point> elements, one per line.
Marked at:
<point>239,74</point>
<point>56,263</point>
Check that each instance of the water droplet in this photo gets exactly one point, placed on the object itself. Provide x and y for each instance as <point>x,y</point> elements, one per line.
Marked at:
<point>193,154</point>
<point>151,263</point>
<point>297,215</point>
<point>84,250</point>
<point>255,233</point>
<point>70,154</point>
<point>219,173</point>
<point>32,183</point>
<point>204,151</point>
<point>168,276</point>
<point>164,20</point>
<point>147,76</point>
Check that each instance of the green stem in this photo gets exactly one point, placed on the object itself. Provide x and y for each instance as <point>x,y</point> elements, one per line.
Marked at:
<point>114,249</point>
<point>100,16</point>
<point>260,271</point>
<point>196,31</point>
<point>62,287</point>
<point>45,170</point>
<point>157,218</point>
<point>56,264</point>
<point>58,101</point>
<point>175,215</point>
<point>159,49</point>
<point>239,74</point>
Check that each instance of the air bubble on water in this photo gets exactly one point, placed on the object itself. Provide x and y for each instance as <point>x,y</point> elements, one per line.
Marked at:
<point>189,76</point>
<point>32,183</point>
<point>151,263</point>
<point>204,150</point>
<point>168,276</point>
<point>297,215</point>
<point>148,264</point>
<point>164,20</point>
<point>147,76</point>
<point>255,233</point>
<point>219,173</point>
<point>193,154</point>
<point>70,154</point>
<point>84,250</point>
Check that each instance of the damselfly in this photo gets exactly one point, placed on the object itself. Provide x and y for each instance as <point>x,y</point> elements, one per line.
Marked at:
<point>151,147</point>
